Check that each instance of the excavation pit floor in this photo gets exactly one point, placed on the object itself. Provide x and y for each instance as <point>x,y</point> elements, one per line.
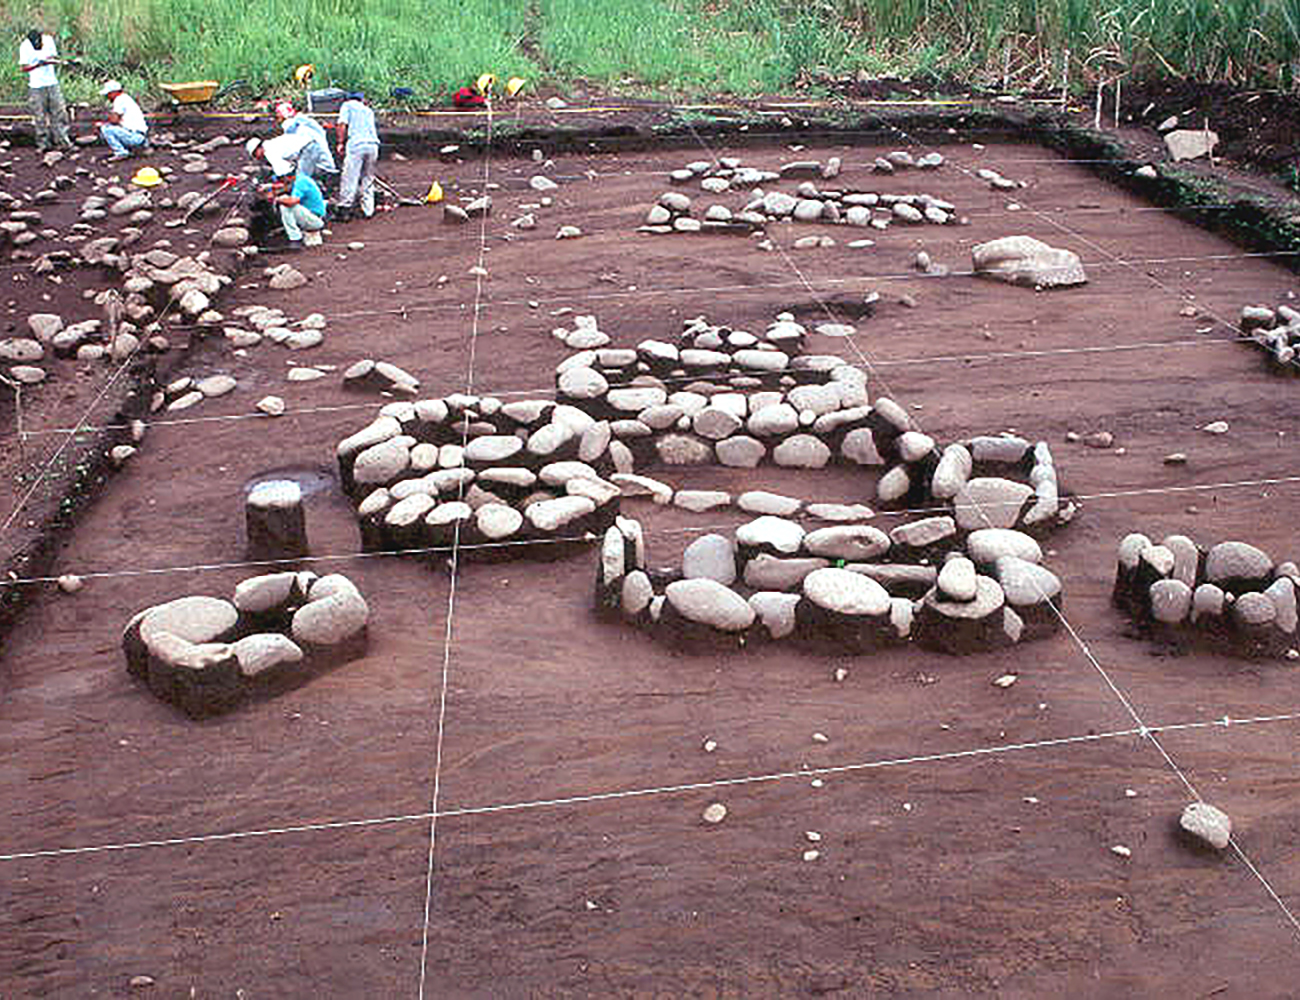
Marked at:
<point>504,796</point>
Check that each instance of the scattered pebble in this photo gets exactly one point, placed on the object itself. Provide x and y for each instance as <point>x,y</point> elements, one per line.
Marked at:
<point>1175,458</point>
<point>813,836</point>
<point>1005,681</point>
<point>70,583</point>
<point>710,746</point>
<point>1031,800</point>
<point>1129,793</point>
<point>812,854</point>
<point>841,673</point>
<point>1217,427</point>
<point>715,813</point>
<point>820,738</point>
<point>1121,850</point>
<point>1207,824</point>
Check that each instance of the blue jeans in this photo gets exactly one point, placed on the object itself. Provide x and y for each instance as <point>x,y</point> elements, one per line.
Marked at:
<point>122,140</point>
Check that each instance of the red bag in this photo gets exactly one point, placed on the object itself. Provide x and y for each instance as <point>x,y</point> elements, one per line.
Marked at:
<point>468,97</point>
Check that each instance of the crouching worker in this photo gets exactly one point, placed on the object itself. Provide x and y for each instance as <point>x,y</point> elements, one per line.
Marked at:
<point>301,208</point>
<point>126,129</point>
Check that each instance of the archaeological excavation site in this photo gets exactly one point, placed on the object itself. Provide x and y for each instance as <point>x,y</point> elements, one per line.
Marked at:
<point>791,551</point>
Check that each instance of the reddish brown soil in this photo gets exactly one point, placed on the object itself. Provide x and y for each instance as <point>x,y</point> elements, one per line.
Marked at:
<point>936,876</point>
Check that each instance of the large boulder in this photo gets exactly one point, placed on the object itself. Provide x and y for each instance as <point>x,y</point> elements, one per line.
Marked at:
<point>335,612</point>
<point>1023,260</point>
<point>845,611</point>
<point>710,557</point>
<point>704,613</point>
<point>960,627</point>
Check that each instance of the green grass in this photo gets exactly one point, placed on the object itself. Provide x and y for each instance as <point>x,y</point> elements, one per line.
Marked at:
<point>694,48</point>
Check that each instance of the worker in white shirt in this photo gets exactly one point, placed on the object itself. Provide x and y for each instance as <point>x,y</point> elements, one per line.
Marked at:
<point>315,159</point>
<point>284,154</point>
<point>37,57</point>
<point>126,129</point>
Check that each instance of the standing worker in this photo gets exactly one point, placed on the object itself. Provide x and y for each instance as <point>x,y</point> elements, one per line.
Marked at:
<point>358,144</point>
<point>37,57</point>
<point>126,130</point>
<point>314,158</point>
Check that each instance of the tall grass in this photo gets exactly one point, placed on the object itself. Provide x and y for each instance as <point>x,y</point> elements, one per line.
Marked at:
<point>696,47</point>
<point>432,47</point>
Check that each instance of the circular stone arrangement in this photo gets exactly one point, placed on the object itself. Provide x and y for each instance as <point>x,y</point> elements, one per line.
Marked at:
<point>1232,595</point>
<point>851,588</point>
<point>498,477</point>
<point>1276,332</point>
<point>206,655</point>
<point>672,212</point>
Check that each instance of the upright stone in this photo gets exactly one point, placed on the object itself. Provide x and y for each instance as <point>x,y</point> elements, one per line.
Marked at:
<point>274,521</point>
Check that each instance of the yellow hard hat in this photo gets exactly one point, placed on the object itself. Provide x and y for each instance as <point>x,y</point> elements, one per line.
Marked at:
<point>147,177</point>
<point>514,85</point>
<point>303,73</point>
<point>435,193</point>
<point>484,83</point>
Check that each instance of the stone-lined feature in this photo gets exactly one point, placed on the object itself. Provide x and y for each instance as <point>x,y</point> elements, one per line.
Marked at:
<point>207,654</point>
<point>1276,332</point>
<point>1231,595</point>
<point>833,204</point>
<point>847,589</point>
<point>498,478</point>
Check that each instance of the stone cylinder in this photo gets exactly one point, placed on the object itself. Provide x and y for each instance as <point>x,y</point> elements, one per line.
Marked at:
<point>274,521</point>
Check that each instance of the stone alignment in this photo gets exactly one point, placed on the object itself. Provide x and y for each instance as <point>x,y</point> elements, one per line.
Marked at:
<point>205,654</point>
<point>672,212</point>
<point>1232,595</point>
<point>501,477</point>
<point>1276,332</point>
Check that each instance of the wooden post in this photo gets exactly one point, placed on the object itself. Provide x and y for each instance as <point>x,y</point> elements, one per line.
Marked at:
<point>1096,115</point>
<point>1065,79</point>
<point>1118,81</point>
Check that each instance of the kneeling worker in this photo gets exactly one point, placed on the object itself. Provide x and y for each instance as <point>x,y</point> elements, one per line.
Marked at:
<point>126,129</point>
<point>302,209</point>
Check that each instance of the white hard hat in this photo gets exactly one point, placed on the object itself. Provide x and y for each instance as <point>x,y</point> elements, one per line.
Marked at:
<point>251,145</point>
<point>109,87</point>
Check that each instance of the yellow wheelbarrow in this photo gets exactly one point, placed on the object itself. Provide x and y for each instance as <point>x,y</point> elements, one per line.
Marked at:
<point>197,93</point>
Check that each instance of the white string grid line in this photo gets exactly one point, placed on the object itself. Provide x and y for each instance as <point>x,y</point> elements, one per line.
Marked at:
<point>448,632</point>
<point>92,574</point>
<point>522,805</point>
<point>1109,681</point>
